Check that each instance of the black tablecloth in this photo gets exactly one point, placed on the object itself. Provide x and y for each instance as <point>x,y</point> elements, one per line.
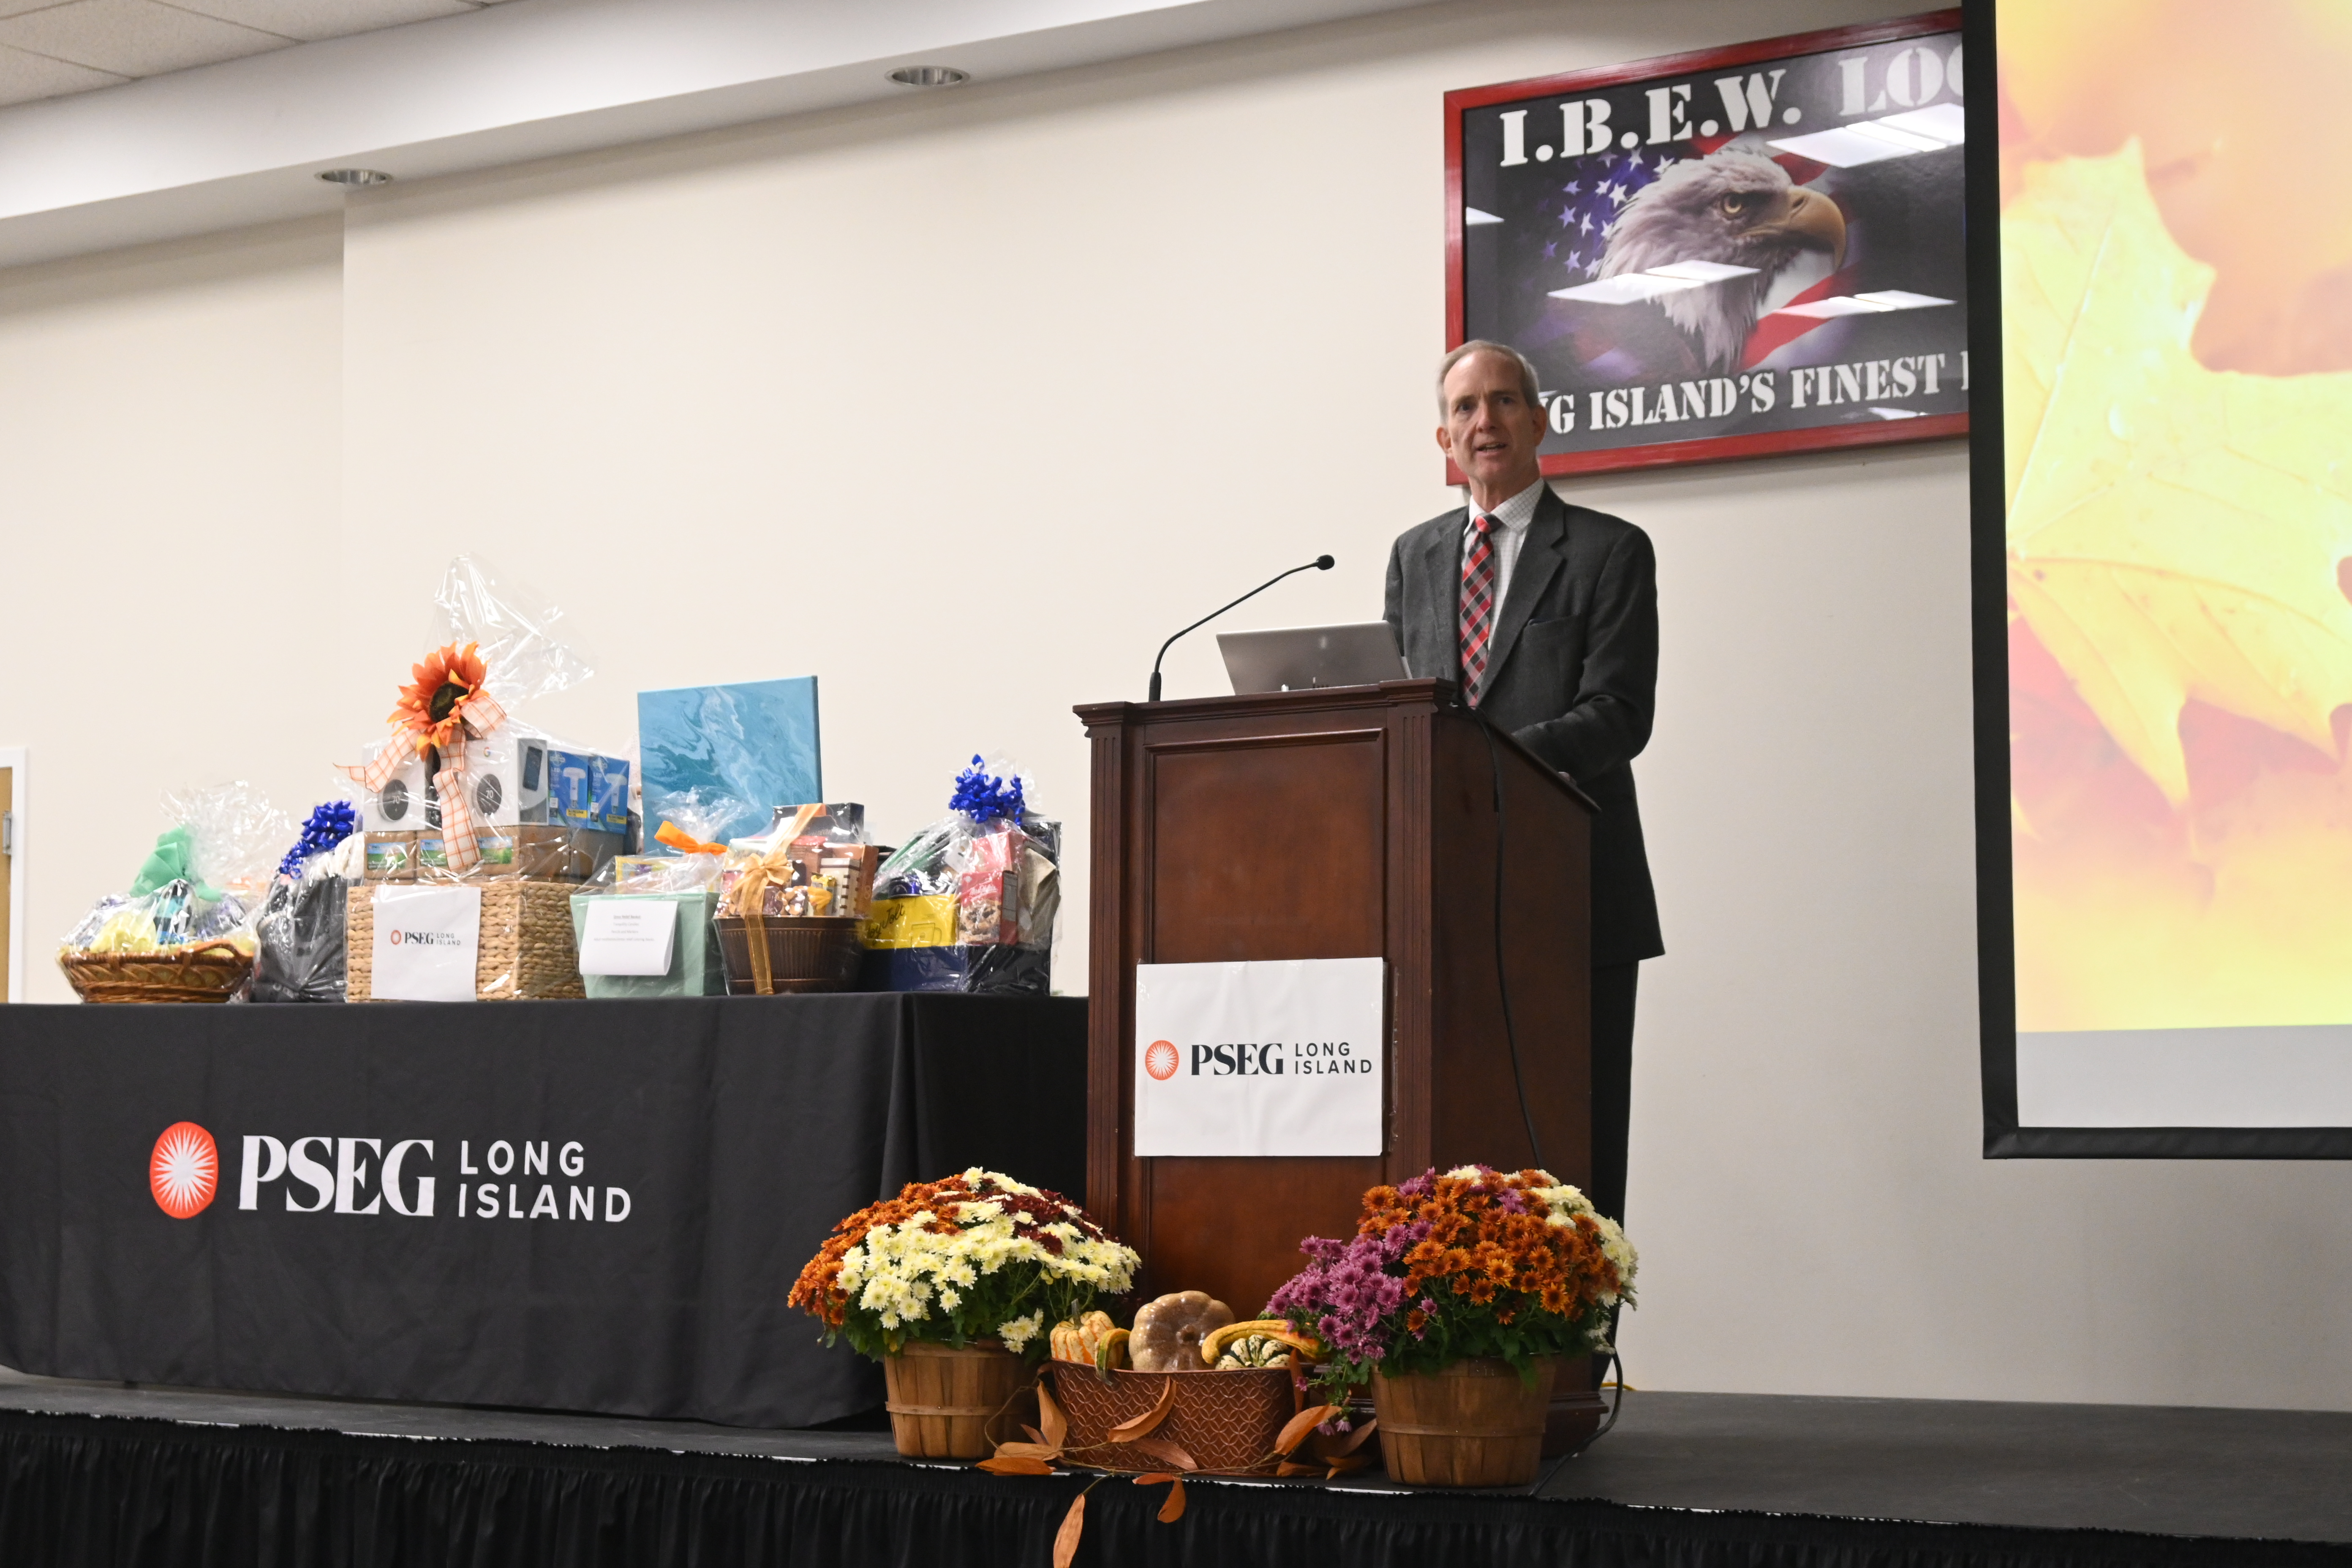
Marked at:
<point>714,1141</point>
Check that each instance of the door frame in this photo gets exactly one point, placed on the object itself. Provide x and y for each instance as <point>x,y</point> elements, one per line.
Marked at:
<point>13,759</point>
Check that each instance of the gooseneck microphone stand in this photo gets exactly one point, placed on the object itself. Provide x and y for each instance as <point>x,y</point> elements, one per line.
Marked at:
<point>1320,563</point>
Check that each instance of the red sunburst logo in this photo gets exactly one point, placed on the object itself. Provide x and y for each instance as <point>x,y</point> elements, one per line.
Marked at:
<point>1160,1061</point>
<point>184,1171</point>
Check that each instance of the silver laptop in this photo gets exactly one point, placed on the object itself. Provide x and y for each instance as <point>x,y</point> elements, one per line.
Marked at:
<point>1293,658</point>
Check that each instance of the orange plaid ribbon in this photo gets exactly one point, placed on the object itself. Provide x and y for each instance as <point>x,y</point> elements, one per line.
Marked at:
<point>460,834</point>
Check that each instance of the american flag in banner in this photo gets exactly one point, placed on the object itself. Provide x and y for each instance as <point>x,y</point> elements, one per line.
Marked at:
<point>1592,191</point>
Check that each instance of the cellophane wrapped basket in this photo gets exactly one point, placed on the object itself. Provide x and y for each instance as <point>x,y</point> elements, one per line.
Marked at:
<point>525,951</point>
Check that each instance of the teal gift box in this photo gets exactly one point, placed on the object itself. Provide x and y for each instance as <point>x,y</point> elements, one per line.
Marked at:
<point>694,968</point>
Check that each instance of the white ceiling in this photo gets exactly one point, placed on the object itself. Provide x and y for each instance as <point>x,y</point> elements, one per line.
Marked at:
<point>243,139</point>
<point>49,48</point>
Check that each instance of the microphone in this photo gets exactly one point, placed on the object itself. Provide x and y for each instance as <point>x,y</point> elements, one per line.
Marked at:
<point>1320,563</point>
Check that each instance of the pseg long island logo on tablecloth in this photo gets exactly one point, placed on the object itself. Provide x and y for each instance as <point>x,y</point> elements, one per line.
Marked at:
<point>1258,1059</point>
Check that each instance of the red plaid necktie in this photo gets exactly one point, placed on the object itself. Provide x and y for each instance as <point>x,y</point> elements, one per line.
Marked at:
<point>1477,606</point>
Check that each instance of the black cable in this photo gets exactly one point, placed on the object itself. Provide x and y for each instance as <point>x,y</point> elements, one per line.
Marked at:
<point>1617,1366</point>
<point>1502,977</point>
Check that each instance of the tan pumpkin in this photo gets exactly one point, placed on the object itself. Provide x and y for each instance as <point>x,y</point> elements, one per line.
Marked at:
<point>1168,1331</point>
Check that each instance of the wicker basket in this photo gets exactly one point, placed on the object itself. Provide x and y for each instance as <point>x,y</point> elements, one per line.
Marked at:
<point>526,950</point>
<point>1475,1424</point>
<point>947,1402</point>
<point>1227,1421</point>
<point>210,970</point>
<point>810,952</point>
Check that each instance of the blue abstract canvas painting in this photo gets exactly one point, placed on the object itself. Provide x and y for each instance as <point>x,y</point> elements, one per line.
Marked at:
<point>754,744</point>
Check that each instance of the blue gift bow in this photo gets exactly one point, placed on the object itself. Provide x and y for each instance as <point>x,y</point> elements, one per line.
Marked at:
<point>984,799</point>
<point>329,825</point>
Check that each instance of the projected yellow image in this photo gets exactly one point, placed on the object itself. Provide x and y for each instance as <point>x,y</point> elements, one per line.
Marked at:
<point>2176,298</point>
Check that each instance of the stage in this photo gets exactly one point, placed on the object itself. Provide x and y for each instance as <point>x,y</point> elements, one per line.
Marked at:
<point>114,1474</point>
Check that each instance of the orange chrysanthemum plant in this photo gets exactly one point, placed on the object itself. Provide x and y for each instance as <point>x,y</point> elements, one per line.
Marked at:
<point>1472,1263</point>
<point>443,706</point>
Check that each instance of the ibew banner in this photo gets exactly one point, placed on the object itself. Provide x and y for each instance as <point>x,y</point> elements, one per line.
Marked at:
<point>1260,1059</point>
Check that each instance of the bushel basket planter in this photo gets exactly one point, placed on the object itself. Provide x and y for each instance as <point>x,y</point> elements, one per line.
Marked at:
<point>947,1402</point>
<point>1474,1424</point>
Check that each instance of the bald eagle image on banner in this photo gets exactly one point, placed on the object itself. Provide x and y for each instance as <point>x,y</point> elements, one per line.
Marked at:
<point>1754,249</point>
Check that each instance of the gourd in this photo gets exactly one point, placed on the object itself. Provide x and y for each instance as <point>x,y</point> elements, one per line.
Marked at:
<point>1092,1339</point>
<point>1168,1331</point>
<point>1253,1350</point>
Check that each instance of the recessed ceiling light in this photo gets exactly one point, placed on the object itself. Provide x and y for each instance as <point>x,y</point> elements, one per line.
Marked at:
<point>356,176</point>
<point>930,76</point>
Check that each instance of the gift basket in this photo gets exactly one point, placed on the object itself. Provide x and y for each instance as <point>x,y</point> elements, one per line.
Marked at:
<point>299,935</point>
<point>478,828</point>
<point>183,932</point>
<point>969,904</point>
<point>653,902</point>
<point>793,901</point>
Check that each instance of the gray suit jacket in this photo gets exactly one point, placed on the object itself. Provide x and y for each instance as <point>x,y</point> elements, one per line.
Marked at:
<point>1573,676</point>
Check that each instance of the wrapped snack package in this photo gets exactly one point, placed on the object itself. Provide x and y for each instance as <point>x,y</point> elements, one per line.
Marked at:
<point>183,932</point>
<point>674,894</point>
<point>301,954</point>
<point>463,794</point>
<point>971,903</point>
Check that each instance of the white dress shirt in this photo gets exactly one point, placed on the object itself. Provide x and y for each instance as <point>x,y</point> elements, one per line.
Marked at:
<point>1514,515</point>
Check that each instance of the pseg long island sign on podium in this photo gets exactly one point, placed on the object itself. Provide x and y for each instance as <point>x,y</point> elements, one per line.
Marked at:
<point>1260,1059</point>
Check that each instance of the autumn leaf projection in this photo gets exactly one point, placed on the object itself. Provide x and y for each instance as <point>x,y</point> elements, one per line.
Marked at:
<point>2174,537</point>
<point>2173,531</point>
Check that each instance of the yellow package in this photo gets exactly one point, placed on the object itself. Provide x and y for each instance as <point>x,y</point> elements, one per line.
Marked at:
<point>929,921</point>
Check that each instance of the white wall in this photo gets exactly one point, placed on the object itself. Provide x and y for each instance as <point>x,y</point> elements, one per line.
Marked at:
<point>962,404</point>
<point>171,595</point>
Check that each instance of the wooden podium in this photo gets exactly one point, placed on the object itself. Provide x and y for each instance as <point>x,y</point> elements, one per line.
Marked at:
<point>1350,822</point>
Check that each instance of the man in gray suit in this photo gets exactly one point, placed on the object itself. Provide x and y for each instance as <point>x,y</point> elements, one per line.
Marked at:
<point>1547,615</point>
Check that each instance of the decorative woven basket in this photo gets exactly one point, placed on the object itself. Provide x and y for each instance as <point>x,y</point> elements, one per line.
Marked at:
<point>1227,1421</point>
<point>952,1404</point>
<point>525,951</point>
<point>789,952</point>
<point>201,972</point>
<point>1474,1424</point>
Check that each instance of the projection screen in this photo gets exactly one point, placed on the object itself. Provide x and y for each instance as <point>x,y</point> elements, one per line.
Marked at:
<point>2162,505</point>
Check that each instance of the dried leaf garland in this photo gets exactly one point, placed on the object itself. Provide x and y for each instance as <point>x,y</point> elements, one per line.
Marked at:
<point>1128,1431</point>
<point>1167,1451</point>
<point>1002,1464</point>
<point>1049,1412</point>
<point>1294,1430</point>
<point>1028,1450</point>
<point>1074,1524</point>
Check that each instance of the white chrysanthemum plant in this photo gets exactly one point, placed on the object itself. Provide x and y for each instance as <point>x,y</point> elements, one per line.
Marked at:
<point>974,1259</point>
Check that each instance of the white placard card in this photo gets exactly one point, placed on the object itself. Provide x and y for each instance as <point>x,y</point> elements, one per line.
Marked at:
<point>426,939</point>
<point>628,936</point>
<point>1260,1059</point>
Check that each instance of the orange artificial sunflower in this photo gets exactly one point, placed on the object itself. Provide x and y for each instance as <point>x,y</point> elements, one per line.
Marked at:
<point>432,708</point>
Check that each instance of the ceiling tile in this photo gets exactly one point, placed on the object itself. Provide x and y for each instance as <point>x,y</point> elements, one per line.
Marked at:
<point>134,37</point>
<point>24,78</point>
<point>313,19</point>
